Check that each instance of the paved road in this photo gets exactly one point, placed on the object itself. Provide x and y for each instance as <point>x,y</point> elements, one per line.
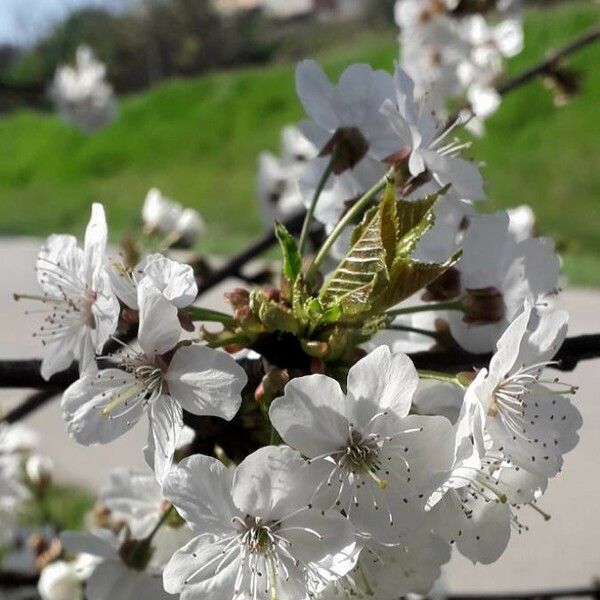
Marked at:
<point>562,552</point>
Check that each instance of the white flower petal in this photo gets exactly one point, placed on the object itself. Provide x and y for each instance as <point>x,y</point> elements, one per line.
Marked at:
<point>310,416</point>
<point>83,401</point>
<point>159,329</point>
<point>206,382</point>
<point>166,423</point>
<point>382,380</point>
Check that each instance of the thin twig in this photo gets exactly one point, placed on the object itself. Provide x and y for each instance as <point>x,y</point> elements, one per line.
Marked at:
<point>30,405</point>
<point>545,65</point>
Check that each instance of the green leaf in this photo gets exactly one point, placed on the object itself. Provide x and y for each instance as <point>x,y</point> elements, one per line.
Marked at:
<point>292,261</point>
<point>351,284</point>
<point>408,276</point>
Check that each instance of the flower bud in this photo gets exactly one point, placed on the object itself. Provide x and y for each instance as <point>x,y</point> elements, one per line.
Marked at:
<point>59,581</point>
<point>39,470</point>
<point>190,227</point>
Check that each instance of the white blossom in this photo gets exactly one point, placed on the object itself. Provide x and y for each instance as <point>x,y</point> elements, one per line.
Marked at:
<point>82,311</point>
<point>174,280</point>
<point>39,469</point>
<point>277,182</point>
<point>135,497</point>
<point>388,573</point>
<point>161,380</point>
<point>497,275</point>
<point>59,581</point>
<point>473,508</point>
<point>257,534</point>
<point>378,461</point>
<point>112,578</point>
<point>168,218</point>
<point>425,142</point>
<point>527,415</point>
<point>82,94</point>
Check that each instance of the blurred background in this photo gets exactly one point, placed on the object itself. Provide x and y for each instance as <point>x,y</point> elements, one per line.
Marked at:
<point>203,87</point>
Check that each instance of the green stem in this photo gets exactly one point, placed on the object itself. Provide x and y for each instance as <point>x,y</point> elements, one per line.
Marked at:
<point>313,204</point>
<point>234,339</point>
<point>439,377</point>
<point>164,518</point>
<point>198,313</point>
<point>452,305</point>
<point>348,218</point>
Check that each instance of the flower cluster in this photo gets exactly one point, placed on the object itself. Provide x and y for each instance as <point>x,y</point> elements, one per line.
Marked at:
<point>81,93</point>
<point>338,469</point>
<point>456,49</point>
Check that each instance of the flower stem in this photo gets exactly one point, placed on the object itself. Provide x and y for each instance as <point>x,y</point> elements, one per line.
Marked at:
<point>313,204</point>
<point>452,305</point>
<point>239,338</point>
<point>163,519</point>
<point>438,376</point>
<point>348,218</point>
<point>198,313</point>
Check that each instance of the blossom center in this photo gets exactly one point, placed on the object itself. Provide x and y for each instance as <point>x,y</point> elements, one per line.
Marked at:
<point>362,456</point>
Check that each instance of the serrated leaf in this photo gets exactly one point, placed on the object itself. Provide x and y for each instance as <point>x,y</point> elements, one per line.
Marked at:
<point>351,284</point>
<point>292,261</point>
<point>408,276</point>
<point>407,245</point>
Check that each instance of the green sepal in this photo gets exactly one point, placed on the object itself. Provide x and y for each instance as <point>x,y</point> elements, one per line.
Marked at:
<point>292,261</point>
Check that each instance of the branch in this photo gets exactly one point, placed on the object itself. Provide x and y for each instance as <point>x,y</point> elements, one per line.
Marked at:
<point>25,373</point>
<point>545,66</point>
<point>573,350</point>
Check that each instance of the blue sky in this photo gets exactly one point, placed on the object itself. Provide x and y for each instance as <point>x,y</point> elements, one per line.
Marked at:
<point>22,21</point>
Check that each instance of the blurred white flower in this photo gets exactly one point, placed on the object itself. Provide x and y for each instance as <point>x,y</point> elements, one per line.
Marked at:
<point>81,93</point>
<point>497,275</point>
<point>39,470</point>
<point>277,182</point>
<point>59,581</point>
<point>166,217</point>
<point>112,578</point>
<point>17,438</point>
<point>521,222</point>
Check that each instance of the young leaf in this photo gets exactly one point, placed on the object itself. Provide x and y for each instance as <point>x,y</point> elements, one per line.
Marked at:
<point>292,261</point>
<point>408,276</point>
<point>351,284</point>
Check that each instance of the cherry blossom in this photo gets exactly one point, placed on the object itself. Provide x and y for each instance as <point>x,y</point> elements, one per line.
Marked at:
<point>527,415</point>
<point>378,460</point>
<point>82,94</point>
<point>257,532</point>
<point>497,275</point>
<point>160,381</point>
<point>81,309</point>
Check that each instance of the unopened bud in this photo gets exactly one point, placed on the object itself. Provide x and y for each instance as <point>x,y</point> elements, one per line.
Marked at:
<point>39,471</point>
<point>59,581</point>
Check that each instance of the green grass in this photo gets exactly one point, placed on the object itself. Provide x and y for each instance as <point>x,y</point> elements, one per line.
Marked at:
<point>198,141</point>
